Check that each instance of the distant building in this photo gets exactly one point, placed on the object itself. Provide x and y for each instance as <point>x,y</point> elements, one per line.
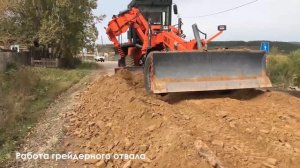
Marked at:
<point>15,48</point>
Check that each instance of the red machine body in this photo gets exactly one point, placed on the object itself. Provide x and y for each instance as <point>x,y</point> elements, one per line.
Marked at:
<point>172,64</point>
<point>153,36</point>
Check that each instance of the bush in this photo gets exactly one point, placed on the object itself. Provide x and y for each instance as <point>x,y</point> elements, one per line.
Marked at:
<point>284,70</point>
<point>88,65</point>
<point>295,58</point>
<point>69,62</point>
<point>11,66</point>
<point>17,85</point>
<point>279,70</point>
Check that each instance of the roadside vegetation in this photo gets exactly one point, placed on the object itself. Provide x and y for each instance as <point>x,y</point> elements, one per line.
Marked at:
<point>283,47</point>
<point>284,69</point>
<point>65,26</point>
<point>25,93</point>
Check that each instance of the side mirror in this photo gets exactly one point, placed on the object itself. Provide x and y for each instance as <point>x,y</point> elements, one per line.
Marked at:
<point>222,28</point>
<point>175,9</point>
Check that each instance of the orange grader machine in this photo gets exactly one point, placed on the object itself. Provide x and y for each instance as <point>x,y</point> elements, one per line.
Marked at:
<point>172,64</point>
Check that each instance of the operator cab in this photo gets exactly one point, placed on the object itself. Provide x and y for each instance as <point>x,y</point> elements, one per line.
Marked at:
<point>159,11</point>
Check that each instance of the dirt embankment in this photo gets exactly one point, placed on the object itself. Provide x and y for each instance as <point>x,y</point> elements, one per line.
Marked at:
<point>206,129</point>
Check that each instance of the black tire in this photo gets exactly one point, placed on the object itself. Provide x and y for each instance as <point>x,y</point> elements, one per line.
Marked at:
<point>147,74</point>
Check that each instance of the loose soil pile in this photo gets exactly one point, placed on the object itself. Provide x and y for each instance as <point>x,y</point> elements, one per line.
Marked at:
<point>246,128</point>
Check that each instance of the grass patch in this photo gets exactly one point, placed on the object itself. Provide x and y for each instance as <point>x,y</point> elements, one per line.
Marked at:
<point>88,65</point>
<point>25,93</point>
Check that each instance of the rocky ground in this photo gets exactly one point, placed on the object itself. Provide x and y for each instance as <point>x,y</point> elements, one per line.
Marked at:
<point>113,114</point>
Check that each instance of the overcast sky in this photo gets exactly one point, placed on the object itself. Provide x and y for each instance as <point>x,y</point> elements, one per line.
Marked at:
<point>275,20</point>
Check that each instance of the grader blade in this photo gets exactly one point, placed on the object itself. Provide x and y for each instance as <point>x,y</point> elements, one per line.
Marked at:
<point>167,72</point>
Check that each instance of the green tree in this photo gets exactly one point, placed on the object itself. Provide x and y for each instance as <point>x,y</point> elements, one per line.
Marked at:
<point>64,25</point>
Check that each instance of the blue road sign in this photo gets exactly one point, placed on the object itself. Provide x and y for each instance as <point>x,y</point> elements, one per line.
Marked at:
<point>265,46</point>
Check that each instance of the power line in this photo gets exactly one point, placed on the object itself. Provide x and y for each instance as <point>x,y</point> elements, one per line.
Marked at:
<point>228,10</point>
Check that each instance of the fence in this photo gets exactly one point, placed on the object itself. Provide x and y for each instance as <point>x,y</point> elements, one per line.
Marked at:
<point>13,57</point>
<point>45,62</point>
<point>39,57</point>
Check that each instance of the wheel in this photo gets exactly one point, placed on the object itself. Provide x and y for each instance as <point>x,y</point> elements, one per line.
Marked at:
<point>148,74</point>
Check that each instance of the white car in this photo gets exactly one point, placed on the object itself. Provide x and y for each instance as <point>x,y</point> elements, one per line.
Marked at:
<point>100,59</point>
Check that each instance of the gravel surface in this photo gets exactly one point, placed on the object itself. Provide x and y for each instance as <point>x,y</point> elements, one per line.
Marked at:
<point>113,114</point>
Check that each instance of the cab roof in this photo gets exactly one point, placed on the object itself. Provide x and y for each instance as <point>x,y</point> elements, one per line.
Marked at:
<point>137,3</point>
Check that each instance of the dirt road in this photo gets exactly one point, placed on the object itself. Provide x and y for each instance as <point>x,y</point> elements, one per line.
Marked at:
<point>113,114</point>
<point>47,136</point>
